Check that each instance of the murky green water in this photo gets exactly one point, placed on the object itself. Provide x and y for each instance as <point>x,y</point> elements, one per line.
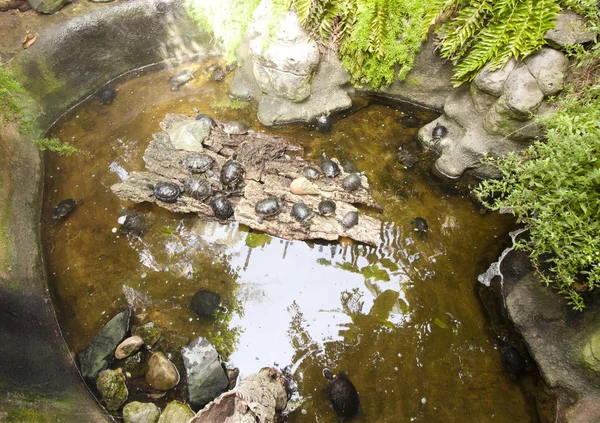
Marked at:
<point>402,319</point>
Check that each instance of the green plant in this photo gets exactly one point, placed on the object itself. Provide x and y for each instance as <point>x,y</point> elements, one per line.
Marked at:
<point>373,37</point>
<point>13,100</point>
<point>554,188</point>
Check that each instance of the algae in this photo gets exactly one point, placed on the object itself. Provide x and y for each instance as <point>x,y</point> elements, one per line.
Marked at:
<point>254,240</point>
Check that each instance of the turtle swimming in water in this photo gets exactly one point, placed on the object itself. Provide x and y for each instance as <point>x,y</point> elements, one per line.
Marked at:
<point>350,219</point>
<point>181,78</point>
<point>420,225</point>
<point>198,188</point>
<point>311,173</point>
<point>64,208</point>
<point>329,167</point>
<point>221,207</point>
<point>439,132</point>
<point>301,212</point>
<point>324,123</point>
<point>342,393</point>
<point>107,95</point>
<point>198,162</point>
<point>133,223</point>
<point>232,173</point>
<point>206,303</point>
<point>351,182</point>
<point>269,207</point>
<point>327,207</point>
<point>167,192</point>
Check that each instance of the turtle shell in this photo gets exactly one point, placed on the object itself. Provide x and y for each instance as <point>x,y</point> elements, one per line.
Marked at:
<point>329,167</point>
<point>63,208</point>
<point>311,173</point>
<point>235,127</point>
<point>221,207</point>
<point>327,207</point>
<point>197,188</point>
<point>301,212</point>
<point>324,123</point>
<point>269,206</point>
<point>342,394</point>
<point>419,225</point>
<point>202,116</point>
<point>167,192</point>
<point>439,132</point>
<point>350,219</point>
<point>351,182</point>
<point>232,173</point>
<point>198,162</point>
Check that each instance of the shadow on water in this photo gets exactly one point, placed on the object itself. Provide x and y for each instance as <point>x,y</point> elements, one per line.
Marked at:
<point>402,318</point>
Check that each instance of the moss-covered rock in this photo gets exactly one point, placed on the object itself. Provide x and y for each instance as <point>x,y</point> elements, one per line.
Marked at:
<point>591,352</point>
<point>149,333</point>
<point>140,412</point>
<point>161,374</point>
<point>112,387</point>
<point>176,412</point>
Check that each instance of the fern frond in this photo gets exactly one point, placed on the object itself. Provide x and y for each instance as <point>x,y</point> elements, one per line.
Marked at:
<point>468,22</point>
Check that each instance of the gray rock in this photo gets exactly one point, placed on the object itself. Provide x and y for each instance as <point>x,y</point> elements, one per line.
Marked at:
<point>500,120</point>
<point>176,412</point>
<point>112,387</point>
<point>481,100</point>
<point>161,374</point>
<point>140,412</point>
<point>522,92</point>
<point>591,352</point>
<point>206,378</point>
<point>548,67</point>
<point>99,354</point>
<point>492,81</point>
<point>48,6</point>
<point>189,135</point>
<point>570,30</point>
<point>128,347</point>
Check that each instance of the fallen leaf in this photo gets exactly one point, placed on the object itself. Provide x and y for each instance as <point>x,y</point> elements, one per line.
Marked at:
<point>29,40</point>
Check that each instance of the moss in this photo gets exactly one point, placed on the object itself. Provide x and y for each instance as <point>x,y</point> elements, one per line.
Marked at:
<point>414,80</point>
<point>31,408</point>
<point>254,240</point>
<point>229,104</point>
<point>374,272</point>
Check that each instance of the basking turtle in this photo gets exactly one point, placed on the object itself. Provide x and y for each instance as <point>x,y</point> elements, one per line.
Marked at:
<point>342,393</point>
<point>269,207</point>
<point>235,127</point>
<point>198,188</point>
<point>326,207</point>
<point>311,173</point>
<point>350,219</point>
<point>301,212</point>
<point>181,78</point>
<point>202,116</point>
<point>107,95</point>
<point>221,207</point>
<point>419,225</point>
<point>64,208</point>
<point>232,173</point>
<point>329,167</point>
<point>324,123</point>
<point>197,162</point>
<point>352,182</point>
<point>167,192</point>
<point>439,132</point>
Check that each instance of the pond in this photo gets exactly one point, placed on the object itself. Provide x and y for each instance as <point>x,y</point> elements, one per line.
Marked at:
<point>402,318</point>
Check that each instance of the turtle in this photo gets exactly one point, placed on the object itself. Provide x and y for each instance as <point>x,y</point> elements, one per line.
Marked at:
<point>326,207</point>
<point>405,157</point>
<point>231,67</point>
<point>350,219</point>
<point>235,127</point>
<point>181,78</point>
<point>206,303</point>
<point>107,95</point>
<point>352,182</point>
<point>198,188</point>
<point>217,74</point>
<point>202,116</point>
<point>221,207</point>
<point>63,209</point>
<point>269,207</point>
<point>324,123</point>
<point>301,212</point>
<point>197,162</point>
<point>133,223</point>
<point>419,225</point>
<point>311,173</point>
<point>232,173</point>
<point>513,360</point>
<point>410,121</point>
<point>342,393</point>
<point>167,192</point>
<point>329,167</point>
<point>439,132</point>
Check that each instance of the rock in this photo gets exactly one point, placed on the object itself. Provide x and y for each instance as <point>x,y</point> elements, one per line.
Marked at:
<point>570,29</point>
<point>149,333</point>
<point>206,378</point>
<point>591,352</point>
<point>232,376</point>
<point>189,135</point>
<point>112,387</point>
<point>205,303</point>
<point>161,374</point>
<point>501,120</point>
<point>548,67</point>
<point>140,412</point>
<point>128,347</point>
<point>135,364</point>
<point>99,354</point>
<point>302,186</point>
<point>522,92</point>
<point>48,6</point>
<point>492,81</point>
<point>176,412</point>
<point>136,299</point>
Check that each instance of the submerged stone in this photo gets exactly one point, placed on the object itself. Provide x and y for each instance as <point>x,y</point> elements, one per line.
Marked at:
<point>99,354</point>
<point>176,412</point>
<point>112,387</point>
<point>161,374</point>
<point>140,412</point>
<point>128,347</point>
<point>148,332</point>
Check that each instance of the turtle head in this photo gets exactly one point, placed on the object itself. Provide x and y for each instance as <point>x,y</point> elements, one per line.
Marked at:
<point>327,373</point>
<point>325,156</point>
<point>234,156</point>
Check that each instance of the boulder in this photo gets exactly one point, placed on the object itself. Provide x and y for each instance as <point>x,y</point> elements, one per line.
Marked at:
<point>548,67</point>
<point>206,378</point>
<point>189,135</point>
<point>128,347</point>
<point>48,6</point>
<point>591,352</point>
<point>492,81</point>
<point>161,374</point>
<point>176,412</point>
<point>140,412</point>
<point>112,387</point>
<point>570,29</point>
<point>522,93</point>
<point>99,354</point>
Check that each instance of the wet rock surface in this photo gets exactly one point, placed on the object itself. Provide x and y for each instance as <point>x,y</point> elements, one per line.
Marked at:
<point>112,387</point>
<point>128,347</point>
<point>99,354</point>
<point>162,374</point>
<point>176,412</point>
<point>140,412</point>
<point>570,30</point>
<point>206,378</point>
